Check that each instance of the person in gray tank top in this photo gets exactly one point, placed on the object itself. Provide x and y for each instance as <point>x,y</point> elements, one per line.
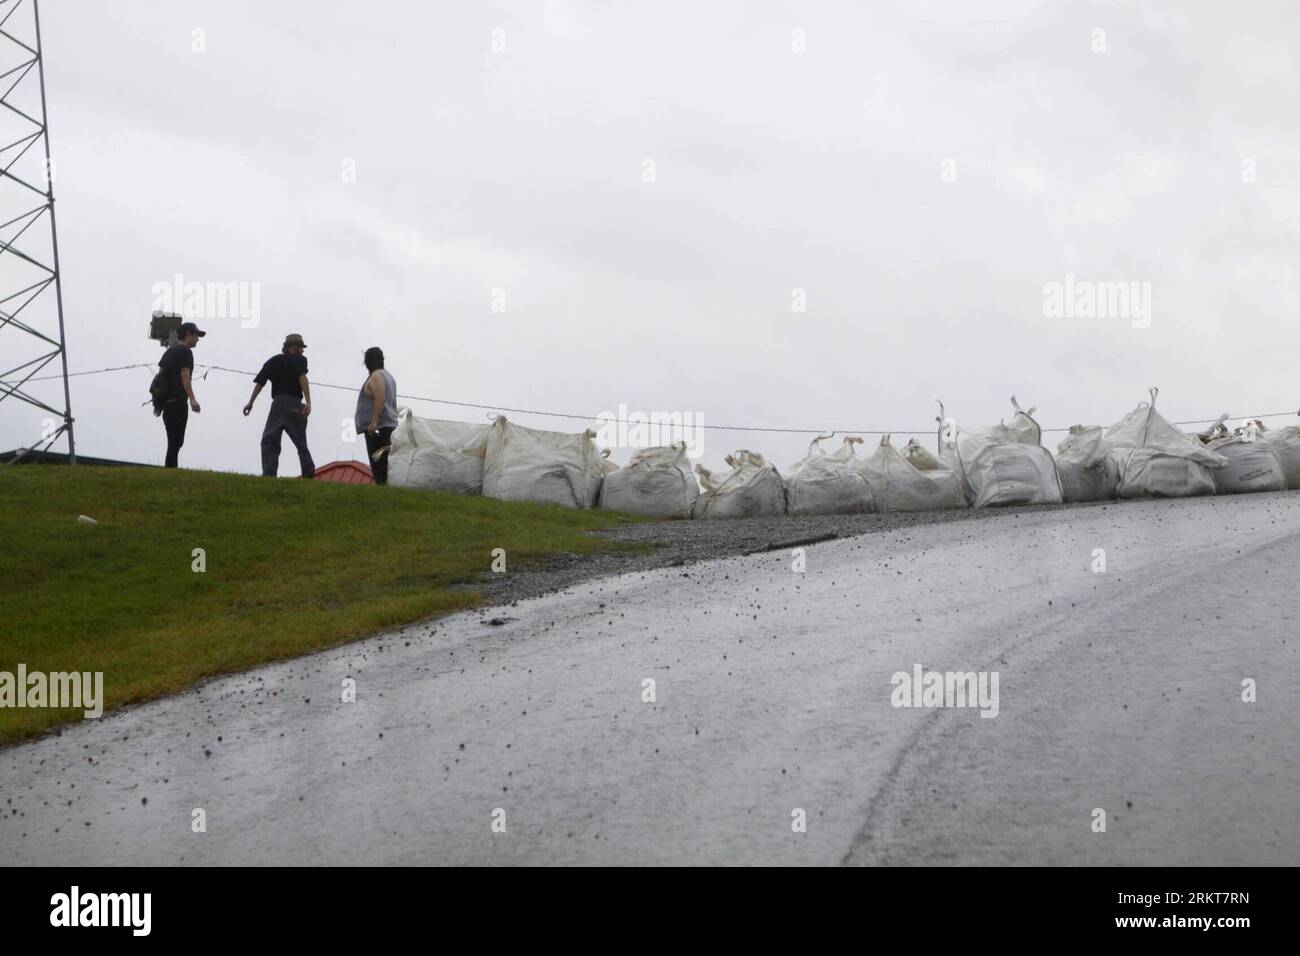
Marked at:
<point>377,413</point>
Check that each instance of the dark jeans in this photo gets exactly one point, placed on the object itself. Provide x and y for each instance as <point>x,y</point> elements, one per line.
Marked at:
<point>373,443</point>
<point>285,416</point>
<point>175,416</point>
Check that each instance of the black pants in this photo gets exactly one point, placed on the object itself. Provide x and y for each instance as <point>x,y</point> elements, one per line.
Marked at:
<point>373,443</point>
<point>175,416</point>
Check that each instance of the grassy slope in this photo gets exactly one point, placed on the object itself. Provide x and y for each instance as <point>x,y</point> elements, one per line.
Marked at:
<point>292,566</point>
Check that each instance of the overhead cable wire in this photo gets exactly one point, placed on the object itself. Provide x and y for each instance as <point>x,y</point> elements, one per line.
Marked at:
<point>589,418</point>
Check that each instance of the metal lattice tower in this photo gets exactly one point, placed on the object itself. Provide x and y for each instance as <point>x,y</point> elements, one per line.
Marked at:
<point>31,315</point>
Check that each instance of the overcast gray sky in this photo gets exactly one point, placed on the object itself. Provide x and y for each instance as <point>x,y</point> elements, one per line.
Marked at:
<point>919,170</point>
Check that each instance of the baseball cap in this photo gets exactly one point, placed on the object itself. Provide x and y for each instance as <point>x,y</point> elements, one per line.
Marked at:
<point>294,339</point>
<point>186,328</point>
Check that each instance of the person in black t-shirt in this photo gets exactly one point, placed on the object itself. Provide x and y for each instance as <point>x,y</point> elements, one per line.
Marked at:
<point>176,366</point>
<point>290,405</point>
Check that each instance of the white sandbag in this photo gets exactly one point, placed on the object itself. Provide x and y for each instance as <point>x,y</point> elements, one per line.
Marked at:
<point>897,485</point>
<point>437,455</point>
<point>527,464</point>
<point>1086,471</point>
<point>1006,465</point>
<point>825,484</point>
<point>1251,466</point>
<point>1155,458</point>
<point>1146,472</point>
<point>1285,443</point>
<point>1010,473</point>
<point>657,481</point>
<point>752,488</point>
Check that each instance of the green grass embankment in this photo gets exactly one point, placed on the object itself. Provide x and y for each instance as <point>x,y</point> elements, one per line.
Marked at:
<point>291,567</point>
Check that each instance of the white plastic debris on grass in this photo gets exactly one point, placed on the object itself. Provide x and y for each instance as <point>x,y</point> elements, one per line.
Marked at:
<point>1155,458</point>
<point>656,481</point>
<point>898,485</point>
<point>1006,464</point>
<point>827,484</point>
<point>752,488</point>
<point>437,455</point>
<point>1084,466</point>
<point>527,464</point>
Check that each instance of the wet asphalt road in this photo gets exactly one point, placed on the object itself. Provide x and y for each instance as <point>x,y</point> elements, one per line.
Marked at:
<point>1118,690</point>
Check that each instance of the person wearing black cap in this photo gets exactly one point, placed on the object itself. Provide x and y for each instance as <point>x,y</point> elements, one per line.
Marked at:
<point>290,405</point>
<point>175,367</point>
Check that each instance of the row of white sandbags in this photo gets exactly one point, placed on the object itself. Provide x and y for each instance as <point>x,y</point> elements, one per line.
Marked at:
<point>993,467</point>
<point>838,482</point>
<point>1234,463</point>
<point>501,460</point>
<point>511,462</point>
<point>1144,455</point>
<point>1141,455</point>
<point>658,481</point>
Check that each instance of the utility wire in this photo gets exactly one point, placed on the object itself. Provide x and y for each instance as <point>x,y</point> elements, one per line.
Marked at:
<point>589,418</point>
<point>94,371</point>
